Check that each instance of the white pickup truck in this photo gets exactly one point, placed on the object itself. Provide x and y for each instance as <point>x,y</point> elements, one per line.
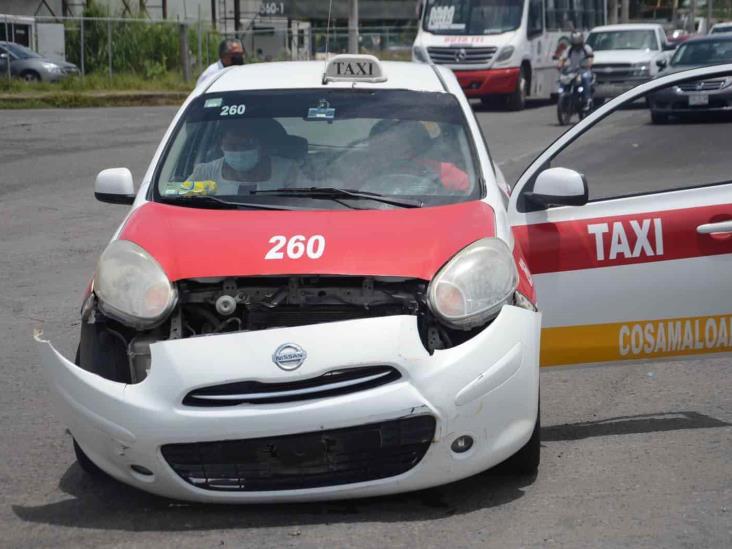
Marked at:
<point>625,56</point>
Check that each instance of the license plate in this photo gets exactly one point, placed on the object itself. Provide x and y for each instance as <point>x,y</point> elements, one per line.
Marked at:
<point>698,99</point>
<point>609,90</point>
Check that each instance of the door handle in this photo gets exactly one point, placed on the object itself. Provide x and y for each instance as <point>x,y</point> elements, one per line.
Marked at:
<point>710,228</point>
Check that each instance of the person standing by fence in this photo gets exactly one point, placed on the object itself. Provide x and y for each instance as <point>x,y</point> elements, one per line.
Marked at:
<point>231,52</point>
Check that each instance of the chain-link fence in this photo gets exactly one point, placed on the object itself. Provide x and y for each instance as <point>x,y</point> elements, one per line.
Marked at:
<point>153,48</point>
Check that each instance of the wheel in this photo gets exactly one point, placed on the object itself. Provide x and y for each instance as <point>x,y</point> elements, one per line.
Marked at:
<point>564,115</point>
<point>516,101</point>
<point>658,117</point>
<point>82,459</point>
<point>526,461</point>
<point>86,464</point>
<point>30,76</point>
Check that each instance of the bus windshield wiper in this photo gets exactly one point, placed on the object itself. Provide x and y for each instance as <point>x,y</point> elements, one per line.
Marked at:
<point>335,193</point>
<point>215,203</point>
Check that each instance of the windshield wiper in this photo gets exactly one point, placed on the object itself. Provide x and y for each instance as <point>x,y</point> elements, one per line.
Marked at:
<point>214,203</point>
<point>335,193</point>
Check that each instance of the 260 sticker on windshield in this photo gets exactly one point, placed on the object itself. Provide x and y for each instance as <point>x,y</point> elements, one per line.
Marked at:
<point>296,247</point>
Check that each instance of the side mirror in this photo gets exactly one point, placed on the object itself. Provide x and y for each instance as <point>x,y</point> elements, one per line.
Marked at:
<point>669,47</point>
<point>559,187</point>
<point>661,63</point>
<point>115,186</point>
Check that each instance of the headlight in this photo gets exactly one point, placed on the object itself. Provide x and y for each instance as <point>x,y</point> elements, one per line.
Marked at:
<point>641,69</point>
<point>474,285</point>
<point>419,54</point>
<point>51,67</point>
<point>727,82</point>
<point>505,54</point>
<point>132,287</point>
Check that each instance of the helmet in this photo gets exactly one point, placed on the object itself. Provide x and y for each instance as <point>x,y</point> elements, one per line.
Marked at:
<point>576,38</point>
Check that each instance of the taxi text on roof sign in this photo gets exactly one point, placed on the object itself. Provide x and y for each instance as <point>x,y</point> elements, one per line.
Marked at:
<point>354,68</point>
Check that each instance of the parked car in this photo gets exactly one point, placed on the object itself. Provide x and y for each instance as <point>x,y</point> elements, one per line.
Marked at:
<point>625,56</point>
<point>31,66</point>
<point>722,28</point>
<point>696,95</point>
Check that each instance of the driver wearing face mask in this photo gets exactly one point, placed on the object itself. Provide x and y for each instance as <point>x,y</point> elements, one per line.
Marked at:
<point>248,162</point>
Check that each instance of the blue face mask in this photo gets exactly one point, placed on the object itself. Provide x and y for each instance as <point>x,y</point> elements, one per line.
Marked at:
<point>242,161</point>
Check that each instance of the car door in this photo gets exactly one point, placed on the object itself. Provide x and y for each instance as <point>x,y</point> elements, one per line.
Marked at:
<point>639,267</point>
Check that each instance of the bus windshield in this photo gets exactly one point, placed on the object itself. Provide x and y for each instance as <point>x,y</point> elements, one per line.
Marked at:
<point>472,16</point>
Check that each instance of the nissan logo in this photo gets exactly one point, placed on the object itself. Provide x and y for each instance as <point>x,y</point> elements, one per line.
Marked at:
<point>289,356</point>
<point>460,55</point>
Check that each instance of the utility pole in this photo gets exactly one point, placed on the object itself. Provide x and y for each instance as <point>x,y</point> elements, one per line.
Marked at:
<point>691,25</point>
<point>612,17</point>
<point>625,7</point>
<point>710,14</point>
<point>353,27</point>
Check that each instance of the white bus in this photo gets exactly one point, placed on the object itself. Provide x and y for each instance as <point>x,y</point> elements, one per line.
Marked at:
<point>505,48</point>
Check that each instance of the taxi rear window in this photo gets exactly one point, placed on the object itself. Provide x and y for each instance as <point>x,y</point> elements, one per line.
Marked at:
<point>395,143</point>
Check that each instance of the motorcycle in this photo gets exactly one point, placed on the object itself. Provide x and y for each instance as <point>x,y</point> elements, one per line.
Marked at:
<point>571,99</point>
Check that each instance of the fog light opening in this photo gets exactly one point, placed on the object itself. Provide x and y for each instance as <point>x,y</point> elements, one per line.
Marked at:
<point>140,470</point>
<point>462,444</point>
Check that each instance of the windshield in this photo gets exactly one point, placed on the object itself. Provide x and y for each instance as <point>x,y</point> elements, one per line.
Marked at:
<point>254,147</point>
<point>472,16</point>
<point>709,52</point>
<point>721,29</point>
<point>623,40</point>
<point>21,52</point>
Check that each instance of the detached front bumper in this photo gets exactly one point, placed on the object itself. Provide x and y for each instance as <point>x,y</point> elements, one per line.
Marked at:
<point>486,387</point>
<point>480,83</point>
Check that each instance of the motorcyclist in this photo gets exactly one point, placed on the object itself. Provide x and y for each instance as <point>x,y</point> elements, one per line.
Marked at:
<point>578,59</point>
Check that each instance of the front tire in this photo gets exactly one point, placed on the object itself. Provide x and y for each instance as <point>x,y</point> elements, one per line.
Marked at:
<point>516,101</point>
<point>564,114</point>
<point>659,117</point>
<point>86,464</point>
<point>30,76</point>
<point>526,461</point>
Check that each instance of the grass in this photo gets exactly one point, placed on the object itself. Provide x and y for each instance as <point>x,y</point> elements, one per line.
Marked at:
<point>100,82</point>
<point>95,90</point>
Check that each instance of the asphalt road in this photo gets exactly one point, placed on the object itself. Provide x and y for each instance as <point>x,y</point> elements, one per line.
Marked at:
<point>634,455</point>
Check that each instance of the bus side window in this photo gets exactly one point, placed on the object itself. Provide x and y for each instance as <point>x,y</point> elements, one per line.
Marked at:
<point>536,18</point>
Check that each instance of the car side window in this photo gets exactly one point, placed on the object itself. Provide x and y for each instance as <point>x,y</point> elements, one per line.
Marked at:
<point>681,141</point>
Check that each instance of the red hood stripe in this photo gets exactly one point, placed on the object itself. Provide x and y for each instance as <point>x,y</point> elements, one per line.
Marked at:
<point>412,243</point>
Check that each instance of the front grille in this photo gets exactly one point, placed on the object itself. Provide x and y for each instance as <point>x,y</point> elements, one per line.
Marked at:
<point>704,85</point>
<point>308,460</point>
<point>461,56</point>
<point>609,72</point>
<point>330,384</point>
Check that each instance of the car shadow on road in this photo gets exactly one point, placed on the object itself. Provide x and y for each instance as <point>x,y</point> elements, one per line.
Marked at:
<point>630,425</point>
<point>108,504</point>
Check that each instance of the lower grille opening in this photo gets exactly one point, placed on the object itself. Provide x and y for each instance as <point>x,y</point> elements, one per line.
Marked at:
<point>307,460</point>
<point>330,384</point>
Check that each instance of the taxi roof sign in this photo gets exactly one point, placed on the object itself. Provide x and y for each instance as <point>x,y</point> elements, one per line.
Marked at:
<point>354,68</point>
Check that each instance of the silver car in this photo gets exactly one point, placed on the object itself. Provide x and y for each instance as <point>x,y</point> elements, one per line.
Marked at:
<point>30,66</point>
